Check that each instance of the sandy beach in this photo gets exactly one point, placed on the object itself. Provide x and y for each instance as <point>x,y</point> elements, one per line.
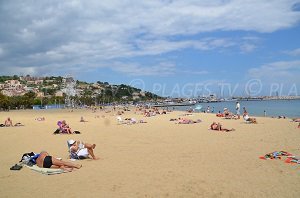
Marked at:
<point>154,159</point>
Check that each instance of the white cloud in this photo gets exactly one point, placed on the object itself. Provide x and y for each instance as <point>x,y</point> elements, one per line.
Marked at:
<point>89,33</point>
<point>282,71</point>
<point>134,69</point>
<point>295,52</point>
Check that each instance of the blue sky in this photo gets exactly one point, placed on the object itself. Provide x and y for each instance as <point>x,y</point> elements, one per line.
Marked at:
<point>172,48</point>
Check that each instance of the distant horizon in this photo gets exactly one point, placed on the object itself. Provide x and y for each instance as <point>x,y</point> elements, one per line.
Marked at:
<point>169,48</point>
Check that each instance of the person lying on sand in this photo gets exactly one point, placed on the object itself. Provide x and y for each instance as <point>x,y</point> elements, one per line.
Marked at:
<point>40,119</point>
<point>44,160</point>
<point>187,121</point>
<point>82,149</point>
<point>218,127</point>
<point>219,114</point>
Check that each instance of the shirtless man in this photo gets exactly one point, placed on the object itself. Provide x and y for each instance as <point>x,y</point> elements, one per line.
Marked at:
<point>44,160</point>
<point>8,122</point>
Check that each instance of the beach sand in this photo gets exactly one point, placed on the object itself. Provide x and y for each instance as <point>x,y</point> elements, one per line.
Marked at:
<point>154,159</point>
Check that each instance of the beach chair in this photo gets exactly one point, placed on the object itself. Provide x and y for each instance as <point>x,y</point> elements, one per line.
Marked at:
<point>73,155</point>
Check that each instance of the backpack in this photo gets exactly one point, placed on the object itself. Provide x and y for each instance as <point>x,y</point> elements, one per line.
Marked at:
<point>26,157</point>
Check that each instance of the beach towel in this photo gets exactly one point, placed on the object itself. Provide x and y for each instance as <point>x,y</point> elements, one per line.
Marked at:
<point>275,155</point>
<point>292,160</point>
<point>45,171</point>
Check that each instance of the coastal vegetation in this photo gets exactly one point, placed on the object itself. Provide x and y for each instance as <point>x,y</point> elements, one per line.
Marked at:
<point>22,92</point>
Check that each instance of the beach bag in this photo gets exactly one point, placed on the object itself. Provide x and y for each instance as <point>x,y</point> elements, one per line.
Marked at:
<point>26,157</point>
<point>57,131</point>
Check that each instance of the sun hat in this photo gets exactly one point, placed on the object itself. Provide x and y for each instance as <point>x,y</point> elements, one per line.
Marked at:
<point>70,142</point>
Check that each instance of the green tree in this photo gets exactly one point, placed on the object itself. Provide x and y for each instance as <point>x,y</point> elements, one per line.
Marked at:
<point>4,102</point>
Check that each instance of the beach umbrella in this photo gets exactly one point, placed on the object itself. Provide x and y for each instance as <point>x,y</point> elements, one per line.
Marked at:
<point>198,107</point>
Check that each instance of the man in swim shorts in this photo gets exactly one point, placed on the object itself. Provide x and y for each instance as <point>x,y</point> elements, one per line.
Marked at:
<point>44,160</point>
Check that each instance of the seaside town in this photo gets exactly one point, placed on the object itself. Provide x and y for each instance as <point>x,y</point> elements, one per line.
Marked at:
<point>53,91</point>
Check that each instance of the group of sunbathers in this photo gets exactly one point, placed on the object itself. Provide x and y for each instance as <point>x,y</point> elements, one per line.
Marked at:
<point>64,128</point>
<point>44,160</point>
<point>129,121</point>
<point>229,115</point>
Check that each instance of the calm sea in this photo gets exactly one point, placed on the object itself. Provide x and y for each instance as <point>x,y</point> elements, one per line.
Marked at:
<point>288,108</point>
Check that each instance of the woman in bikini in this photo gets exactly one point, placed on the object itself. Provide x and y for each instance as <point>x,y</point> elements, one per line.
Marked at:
<point>65,127</point>
<point>44,160</point>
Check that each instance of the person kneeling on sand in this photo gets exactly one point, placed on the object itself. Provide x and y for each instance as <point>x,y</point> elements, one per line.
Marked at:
<point>218,127</point>
<point>82,149</point>
<point>44,160</point>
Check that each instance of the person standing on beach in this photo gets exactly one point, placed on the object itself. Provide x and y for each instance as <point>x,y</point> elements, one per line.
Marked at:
<point>238,107</point>
<point>207,109</point>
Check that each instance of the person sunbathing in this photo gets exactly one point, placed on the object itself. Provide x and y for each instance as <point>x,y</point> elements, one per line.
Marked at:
<point>248,119</point>
<point>82,149</point>
<point>219,114</point>
<point>40,119</point>
<point>229,115</point>
<point>8,122</point>
<point>44,160</point>
<point>218,127</point>
<point>82,119</point>
<point>65,128</point>
<point>187,121</point>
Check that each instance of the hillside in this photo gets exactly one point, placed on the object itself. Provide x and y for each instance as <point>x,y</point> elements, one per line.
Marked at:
<point>25,91</point>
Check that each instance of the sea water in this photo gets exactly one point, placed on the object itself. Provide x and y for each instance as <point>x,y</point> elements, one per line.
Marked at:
<point>270,108</point>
